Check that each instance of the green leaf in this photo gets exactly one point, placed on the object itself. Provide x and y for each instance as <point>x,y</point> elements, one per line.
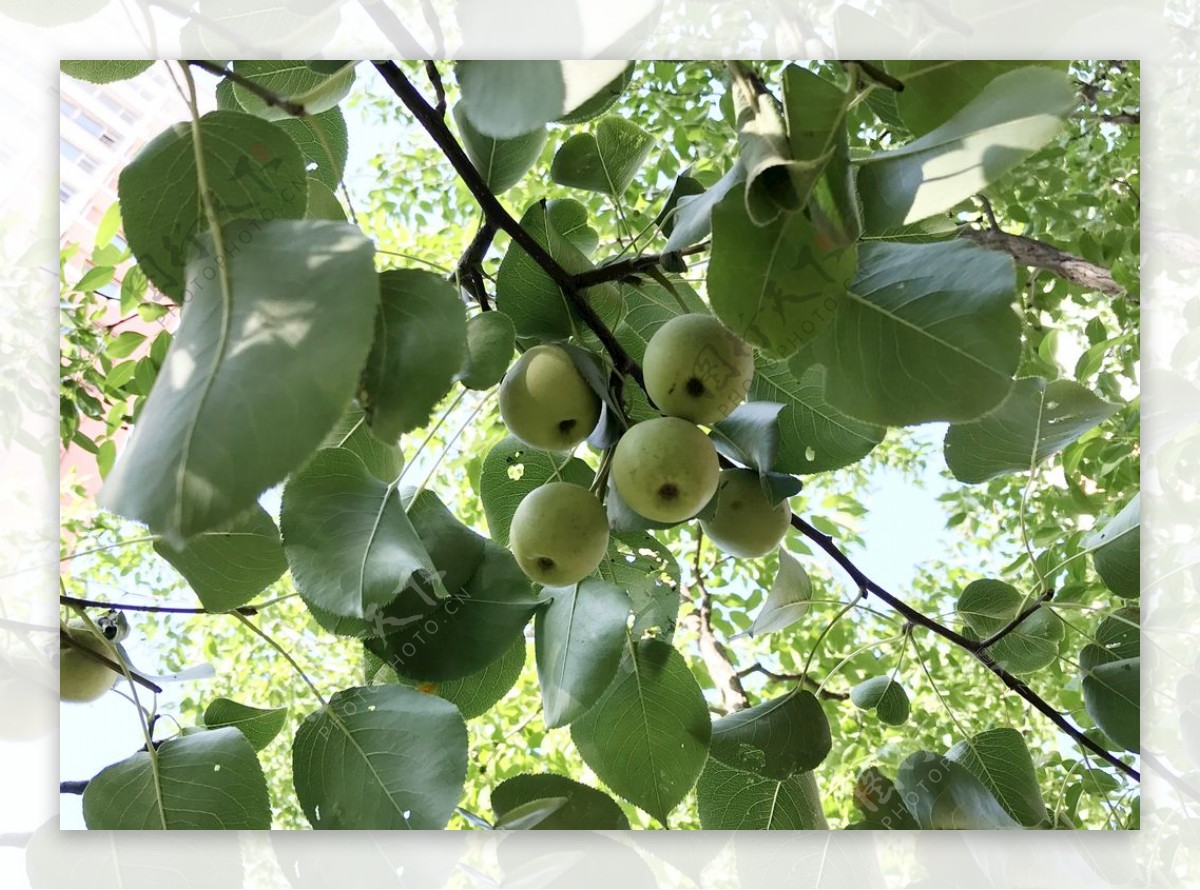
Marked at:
<point>323,140</point>
<point>730,799</point>
<point>1036,420</point>
<point>512,470</point>
<point>291,79</point>
<point>647,737</point>
<point>230,566</point>
<point>774,285</point>
<point>927,332</point>
<point>95,71</point>
<point>124,344</point>
<point>693,216</point>
<point>934,91</point>
<point>380,758</point>
<point>584,808</point>
<point>648,306</point>
<point>202,780</point>
<point>602,100</point>
<point>750,434</point>
<point>876,797</point>
<point>775,739</point>
<point>942,794</point>
<point>885,696</point>
<point>491,339</point>
<point>788,600</point>
<point>349,541</point>
<point>323,203</point>
<point>1000,759</point>
<point>504,99</point>
<point>604,162</point>
<point>281,356</point>
<point>258,725</point>
<point>501,162</point>
<point>354,435</point>
<point>1116,550</point>
<point>1012,117</point>
<point>420,341</point>
<point>254,172</point>
<point>763,148</point>
<point>579,639</point>
<point>530,814</point>
<point>476,694</point>
<point>524,291</point>
<point>813,435</point>
<point>987,605</point>
<point>490,603</point>
<point>686,186</point>
<point>1112,697</point>
<point>94,279</point>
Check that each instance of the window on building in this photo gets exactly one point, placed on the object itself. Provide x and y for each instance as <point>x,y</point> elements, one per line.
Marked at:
<point>65,194</point>
<point>69,150</point>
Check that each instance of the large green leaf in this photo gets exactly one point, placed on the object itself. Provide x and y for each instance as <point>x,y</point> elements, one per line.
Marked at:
<point>475,694</point>
<point>813,435</point>
<point>528,295</point>
<point>1116,550</point>
<point>604,161</point>
<point>735,800</point>
<point>1036,420</point>
<point>788,599</point>
<point>504,99</point>
<point>349,541</point>
<point>501,162</point>
<point>258,725</point>
<point>1012,117</point>
<point>490,602</point>
<point>1000,759</point>
<point>584,808</point>
<point>253,383</point>
<point>254,171</point>
<point>650,305</point>
<point>693,213</point>
<point>385,461</point>
<point>942,794</point>
<point>579,639</point>
<point>774,285</point>
<point>202,780</point>
<point>511,471</point>
<point>323,140</point>
<point>935,90</point>
<point>647,737</point>
<point>420,342</point>
<point>883,809</point>
<point>293,79</point>
<point>927,332</point>
<point>96,71</point>
<point>883,695</point>
<point>988,605</point>
<point>1112,696</point>
<point>775,739</point>
<point>380,758</point>
<point>229,567</point>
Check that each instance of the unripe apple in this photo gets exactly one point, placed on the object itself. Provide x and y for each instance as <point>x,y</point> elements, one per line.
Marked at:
<point>545,402</point>
<point>559,534</point>
<point>696,369</point>
<point>82,678</point>
<point>745,523</point>
<point>666,469</point>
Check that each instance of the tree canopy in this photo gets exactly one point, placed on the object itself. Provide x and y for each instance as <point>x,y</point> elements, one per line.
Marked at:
<point>308,485</point>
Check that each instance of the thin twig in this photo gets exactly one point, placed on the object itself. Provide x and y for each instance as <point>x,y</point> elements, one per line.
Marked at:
<point>135,607</point>
<point>439,90</point>
<point>76,786</point>
<point>757,668</point>
<point>630,268</point>
<point>295,109</point>
<point>878,75</point>
<point>65,639</point>
<point>1012,625</point>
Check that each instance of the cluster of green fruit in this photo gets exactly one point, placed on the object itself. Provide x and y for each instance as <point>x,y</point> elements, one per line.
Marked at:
<point>665,469</point>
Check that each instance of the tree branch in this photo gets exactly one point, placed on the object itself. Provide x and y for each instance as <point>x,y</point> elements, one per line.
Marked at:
<point>877,74</point>
<point>134,607</point>
<point>1012,625</point>
<point>715,655</point>
<point>468,270</point>
<point>1040,255</point>
<point>73,787</point>
<point>295,109</point>
<point>494,211</point>
<point>623,269</point>
<point>439,91</point>
<point>757,668</point>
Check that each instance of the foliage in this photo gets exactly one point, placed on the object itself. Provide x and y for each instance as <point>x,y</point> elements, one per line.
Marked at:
<point>316,453</point>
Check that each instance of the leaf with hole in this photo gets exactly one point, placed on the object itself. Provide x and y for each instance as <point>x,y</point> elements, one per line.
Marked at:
<point>511,471</point>
<point>776,739</point>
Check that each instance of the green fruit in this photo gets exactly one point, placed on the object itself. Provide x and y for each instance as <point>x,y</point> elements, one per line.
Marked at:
<point>545,402</point>
<point>82,678</point>
<point>559,534</point>
<point>745,523</point>
<point>666,469</point>
<point>696,369</point>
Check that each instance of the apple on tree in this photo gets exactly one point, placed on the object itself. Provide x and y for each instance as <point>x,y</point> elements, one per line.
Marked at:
<point>545,402</point>
<point>559,534</point>
<point>746,524</point>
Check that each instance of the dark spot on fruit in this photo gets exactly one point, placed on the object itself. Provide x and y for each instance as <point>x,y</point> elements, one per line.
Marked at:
<point>565,426</point>
<point>545,563</point>
<point>669,491</point>
<point>695,386</point>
